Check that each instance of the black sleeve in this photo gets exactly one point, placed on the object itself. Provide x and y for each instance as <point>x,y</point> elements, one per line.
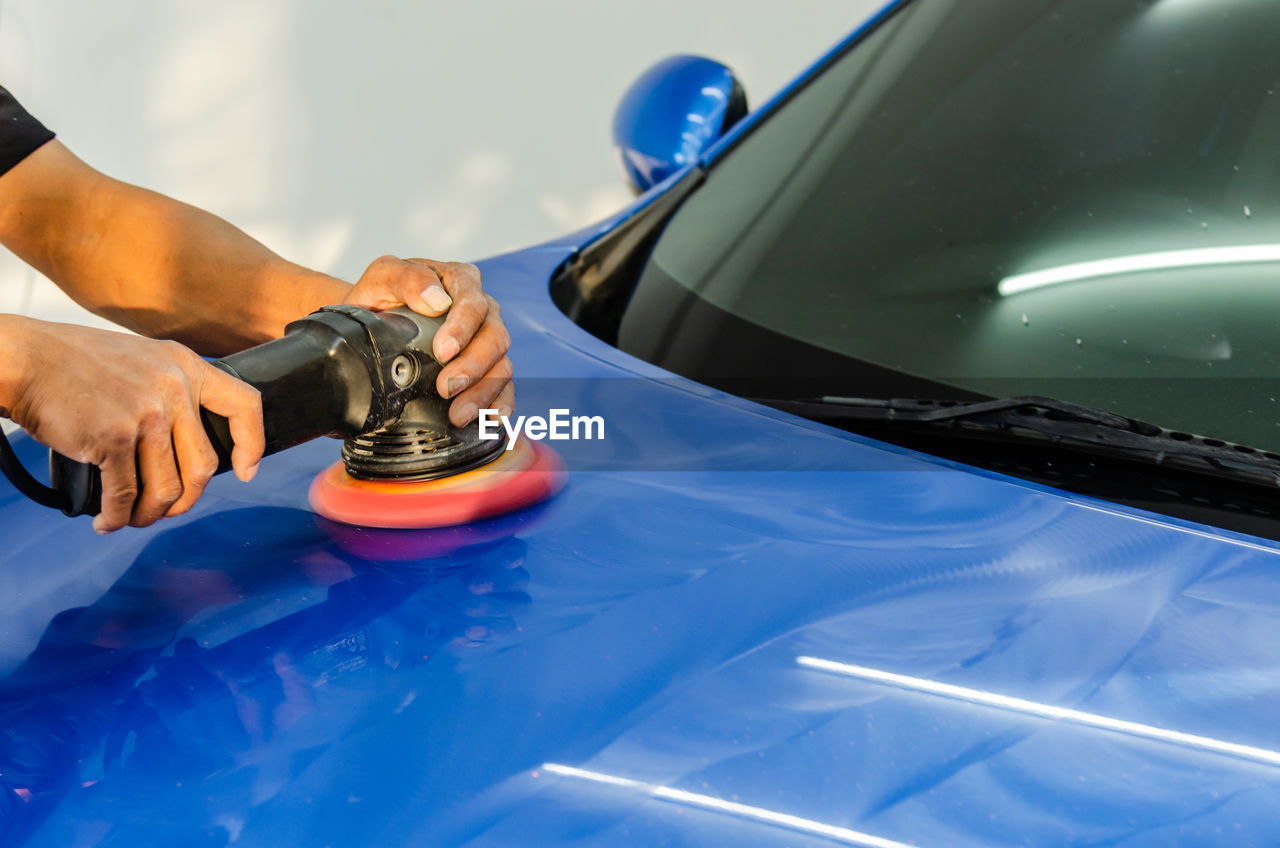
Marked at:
<point>20,134</point>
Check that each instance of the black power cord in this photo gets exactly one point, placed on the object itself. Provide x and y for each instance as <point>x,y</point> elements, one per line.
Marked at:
<point>22,480</point>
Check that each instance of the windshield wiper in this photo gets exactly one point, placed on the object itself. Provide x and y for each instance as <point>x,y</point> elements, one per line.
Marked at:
<point>1056,425</point>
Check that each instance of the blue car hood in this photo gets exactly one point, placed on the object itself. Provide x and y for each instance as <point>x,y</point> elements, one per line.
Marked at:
<point>778,634</point>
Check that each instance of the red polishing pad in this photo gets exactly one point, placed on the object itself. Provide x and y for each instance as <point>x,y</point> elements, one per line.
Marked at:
<point>519,477</point>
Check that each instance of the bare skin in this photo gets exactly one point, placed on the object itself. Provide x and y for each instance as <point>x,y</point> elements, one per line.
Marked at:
<point>170,271</point>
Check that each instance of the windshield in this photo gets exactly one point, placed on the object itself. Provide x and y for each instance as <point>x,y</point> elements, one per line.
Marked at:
<point>1071,198</point>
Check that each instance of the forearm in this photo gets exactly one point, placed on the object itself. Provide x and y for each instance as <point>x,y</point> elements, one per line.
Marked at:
<point>169,270</point>
<point>154,264</point>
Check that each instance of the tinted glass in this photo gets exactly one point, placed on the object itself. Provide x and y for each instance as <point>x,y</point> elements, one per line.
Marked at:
<point>1073,198</point>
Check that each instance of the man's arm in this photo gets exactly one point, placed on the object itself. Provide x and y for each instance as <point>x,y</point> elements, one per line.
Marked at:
<point>150,263</point>
<point>169,270</point>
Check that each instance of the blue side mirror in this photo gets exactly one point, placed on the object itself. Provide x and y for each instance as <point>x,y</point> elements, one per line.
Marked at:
<point>672,114</point>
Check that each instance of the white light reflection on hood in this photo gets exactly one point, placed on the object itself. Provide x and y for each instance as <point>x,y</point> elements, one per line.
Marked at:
<point>718,805</point>
<point>1032,708</point>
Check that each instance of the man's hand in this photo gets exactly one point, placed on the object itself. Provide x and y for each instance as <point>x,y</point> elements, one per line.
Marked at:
<point>473,341</point>
<point>131,406</point>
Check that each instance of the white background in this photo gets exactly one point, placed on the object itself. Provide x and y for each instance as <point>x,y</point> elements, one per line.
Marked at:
<point>338,131</point>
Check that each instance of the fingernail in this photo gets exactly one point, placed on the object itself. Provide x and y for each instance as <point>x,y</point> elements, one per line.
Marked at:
<point>456,384</point>
<point>447,349</point>
<point>248,475</point>
<point>101,531</point>
<point>469,412</point>
<point>437,299</point>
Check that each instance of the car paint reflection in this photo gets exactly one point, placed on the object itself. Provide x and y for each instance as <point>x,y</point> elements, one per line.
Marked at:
<point>1045,711</point>
<point>699,801</point>
<point>244,653</point>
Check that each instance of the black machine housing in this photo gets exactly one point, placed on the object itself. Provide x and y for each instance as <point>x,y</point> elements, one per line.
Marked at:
<point>345,372</point>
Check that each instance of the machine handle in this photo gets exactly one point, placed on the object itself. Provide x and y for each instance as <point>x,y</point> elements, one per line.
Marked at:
<point>333,373</point>
<point>82,482</point>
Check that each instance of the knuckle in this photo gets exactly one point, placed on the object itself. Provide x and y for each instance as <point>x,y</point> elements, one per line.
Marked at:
<point>253,400</point>
<point>201,471</point>
<point>118,440</point>
<point>241,393</point>
<point>200,474</point>
<point>151,416</point>
<point>123,494</point>
<point>473,311</point>
<point>166,493</point>
<point>504,369</point>
<point>204,467</point>
<point>495,308</point>
<point>507,399</point>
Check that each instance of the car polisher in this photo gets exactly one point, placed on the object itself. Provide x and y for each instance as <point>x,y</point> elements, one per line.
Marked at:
<point>367,378</point>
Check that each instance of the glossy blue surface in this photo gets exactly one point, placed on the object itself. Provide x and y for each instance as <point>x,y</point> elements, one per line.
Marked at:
<point>250,674</point>
<point>670,116</point>
<point>632,662</point>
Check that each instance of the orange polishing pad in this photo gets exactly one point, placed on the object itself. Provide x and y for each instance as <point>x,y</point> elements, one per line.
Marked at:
<point>519,477</point>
